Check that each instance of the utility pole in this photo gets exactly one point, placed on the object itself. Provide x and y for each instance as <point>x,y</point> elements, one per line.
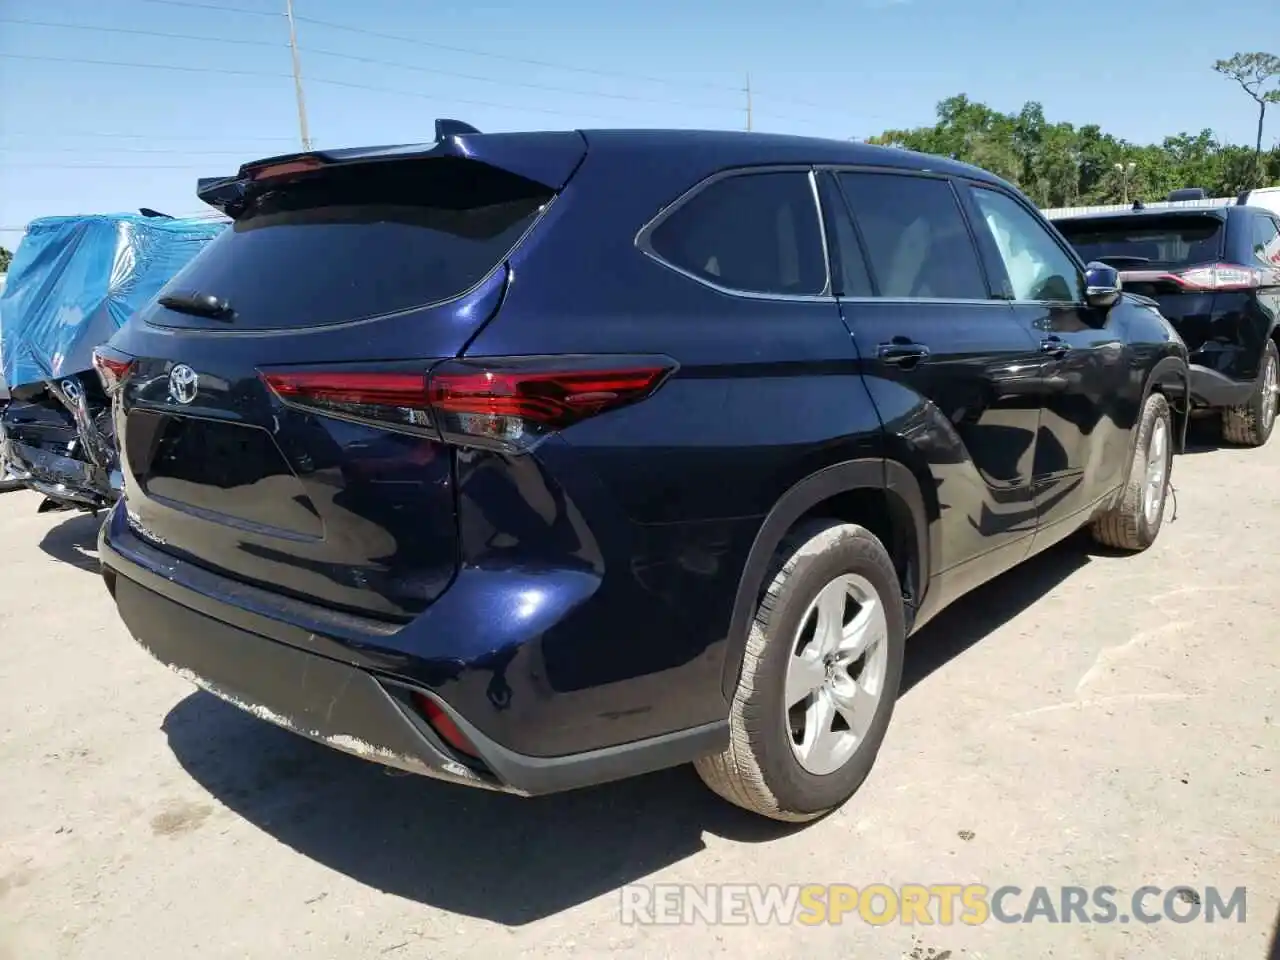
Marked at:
<point>297,76</point>
<point>748,102</point>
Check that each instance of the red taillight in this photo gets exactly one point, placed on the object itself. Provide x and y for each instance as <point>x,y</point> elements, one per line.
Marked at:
<point>443,725</point>
<point>395,399</point>
<point>509,403</point>
<point>515,402</point>
<point>1217,276</point>
<point>113,367</point>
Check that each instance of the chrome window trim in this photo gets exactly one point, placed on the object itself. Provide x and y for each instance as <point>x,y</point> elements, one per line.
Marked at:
<point>643,238</point>
<point>955,301</point>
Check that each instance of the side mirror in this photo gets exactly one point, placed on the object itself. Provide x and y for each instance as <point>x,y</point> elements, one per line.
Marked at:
<point>1101,285</point>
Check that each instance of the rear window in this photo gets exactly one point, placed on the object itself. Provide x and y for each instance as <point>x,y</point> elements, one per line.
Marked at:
<point>1166,241</point>
<point>361,241</point>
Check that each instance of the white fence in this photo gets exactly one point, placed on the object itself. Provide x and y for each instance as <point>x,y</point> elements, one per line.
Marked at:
<point>1054,213</point>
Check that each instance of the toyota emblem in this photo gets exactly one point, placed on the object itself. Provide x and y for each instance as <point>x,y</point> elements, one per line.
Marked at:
<point>183,384</point>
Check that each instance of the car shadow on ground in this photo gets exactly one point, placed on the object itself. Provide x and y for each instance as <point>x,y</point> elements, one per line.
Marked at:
<point>506,859</point>
<point>1204,435</point>
<point>978,613</point>
<point>75,541</point>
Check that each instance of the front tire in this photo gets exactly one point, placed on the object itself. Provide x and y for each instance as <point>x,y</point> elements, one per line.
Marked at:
<point>819,679</point>
<point>1134,523</point>
<point>1250,424</point>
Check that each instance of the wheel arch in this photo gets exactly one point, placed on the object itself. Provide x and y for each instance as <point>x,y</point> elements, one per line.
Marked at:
<point>1171,377</point>
<point>854,490</point>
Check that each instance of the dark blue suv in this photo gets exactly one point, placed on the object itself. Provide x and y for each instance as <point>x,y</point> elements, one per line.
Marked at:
<point>531,461</point>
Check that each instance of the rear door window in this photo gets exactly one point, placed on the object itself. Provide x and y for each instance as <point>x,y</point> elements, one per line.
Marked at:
<point>917,241</point>
<point>749,232</point>
<point>1133,242</point>
<point>363,240</point>
<point>1037,267</point>
<point>1266,241</point>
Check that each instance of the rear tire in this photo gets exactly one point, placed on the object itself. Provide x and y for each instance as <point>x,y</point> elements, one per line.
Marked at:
<point>1135,521</point>
<point>831,622</point>
<point>1250,424</point>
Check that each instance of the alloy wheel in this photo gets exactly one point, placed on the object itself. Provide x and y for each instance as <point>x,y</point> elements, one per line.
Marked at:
<point>836,673</point>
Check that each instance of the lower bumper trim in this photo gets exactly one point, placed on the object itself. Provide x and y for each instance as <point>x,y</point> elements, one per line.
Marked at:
<point>1209,388</point>
<point>351,709</point>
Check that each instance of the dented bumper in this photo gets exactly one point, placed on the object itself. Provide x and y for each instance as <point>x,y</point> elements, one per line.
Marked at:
<point>349,707</point>
<point>330,702</point>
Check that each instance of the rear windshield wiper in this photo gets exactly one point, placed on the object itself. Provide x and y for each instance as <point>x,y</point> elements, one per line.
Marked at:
<point>200,304</point>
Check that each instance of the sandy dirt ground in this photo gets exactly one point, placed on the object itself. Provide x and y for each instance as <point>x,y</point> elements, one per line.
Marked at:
<point>1085,720</point>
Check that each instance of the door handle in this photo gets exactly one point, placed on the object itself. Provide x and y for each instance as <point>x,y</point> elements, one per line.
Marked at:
<point>1054,345</point>
<point>902,352</point>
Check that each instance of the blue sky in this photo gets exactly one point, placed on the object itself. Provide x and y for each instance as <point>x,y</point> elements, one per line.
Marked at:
<point>80,136</point>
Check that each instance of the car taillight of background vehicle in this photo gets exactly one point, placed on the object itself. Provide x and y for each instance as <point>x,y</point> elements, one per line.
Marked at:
<point>508,404</point>
<point>1218,276</point>
<point>113,367</point>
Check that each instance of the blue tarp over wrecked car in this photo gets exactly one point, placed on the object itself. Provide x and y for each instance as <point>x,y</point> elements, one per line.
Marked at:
<point>75,280</point>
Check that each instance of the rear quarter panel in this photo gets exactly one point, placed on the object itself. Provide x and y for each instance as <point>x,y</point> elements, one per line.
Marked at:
<point>673,491</point>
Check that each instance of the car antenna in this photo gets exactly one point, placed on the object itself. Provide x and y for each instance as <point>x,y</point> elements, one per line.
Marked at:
<point>1139,205</point>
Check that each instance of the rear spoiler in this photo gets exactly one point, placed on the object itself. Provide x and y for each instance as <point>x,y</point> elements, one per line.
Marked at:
<point>546,158</point>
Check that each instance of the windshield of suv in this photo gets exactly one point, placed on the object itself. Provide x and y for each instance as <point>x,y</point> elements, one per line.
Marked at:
<point>1166,241</point>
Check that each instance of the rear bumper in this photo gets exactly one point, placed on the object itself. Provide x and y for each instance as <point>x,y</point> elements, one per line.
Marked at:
<point>348,706</point>
<point>1209,388</point>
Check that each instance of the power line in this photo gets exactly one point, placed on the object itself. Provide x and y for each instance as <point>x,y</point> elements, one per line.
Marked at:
<point>149,66</point>
<point>160,34</point>
<point>471,51</point>
<point>99,135</point>
<point>288,76</point>
<point>164,35</point>
<point>215,6</point>
<point>516,83</point>
<point>107,166</point>
<point>201,152</point>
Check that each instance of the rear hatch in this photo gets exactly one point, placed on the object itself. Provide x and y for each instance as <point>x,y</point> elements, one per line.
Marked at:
<point>1165,256</point>
<point>364,269</point>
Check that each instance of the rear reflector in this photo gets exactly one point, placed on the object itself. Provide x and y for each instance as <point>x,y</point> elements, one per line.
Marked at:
<point>113,367</point>
<point>443,725</point>
<point>1218,276</point>
<point>506,403</point>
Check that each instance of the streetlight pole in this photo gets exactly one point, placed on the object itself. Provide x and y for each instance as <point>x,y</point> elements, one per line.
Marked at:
<point>297,77</point>
<point>1126,171</point>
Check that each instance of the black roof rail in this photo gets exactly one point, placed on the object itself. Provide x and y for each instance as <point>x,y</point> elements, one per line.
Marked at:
<point>453,128</point>
<point>148,212</point>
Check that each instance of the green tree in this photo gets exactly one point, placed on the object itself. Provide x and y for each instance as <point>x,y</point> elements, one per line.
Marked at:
<point>1255,72</point>
<point>1057,164</point>
<point>5,259</point>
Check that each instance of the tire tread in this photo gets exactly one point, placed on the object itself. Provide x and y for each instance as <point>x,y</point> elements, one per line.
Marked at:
<point>735,774</point>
